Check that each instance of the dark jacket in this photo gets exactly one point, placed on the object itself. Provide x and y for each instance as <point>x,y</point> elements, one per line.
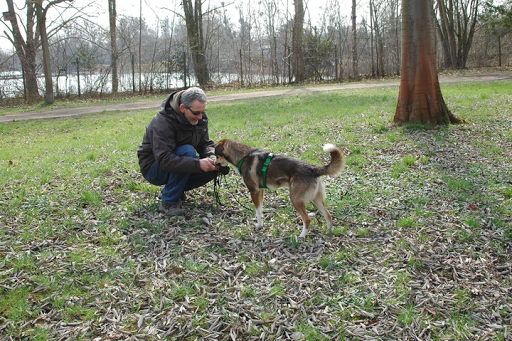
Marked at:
<point>170,129</point>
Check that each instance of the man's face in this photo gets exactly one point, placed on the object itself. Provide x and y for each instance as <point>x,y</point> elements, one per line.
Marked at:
<point>197,107</point>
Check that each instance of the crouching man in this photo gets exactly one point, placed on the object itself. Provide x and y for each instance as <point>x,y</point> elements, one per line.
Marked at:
<point>176,150</point>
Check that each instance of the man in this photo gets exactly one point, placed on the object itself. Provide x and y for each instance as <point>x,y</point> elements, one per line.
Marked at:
<point>169,151</point>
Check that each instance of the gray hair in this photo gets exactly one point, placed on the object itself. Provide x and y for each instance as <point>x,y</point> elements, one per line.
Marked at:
<point>191,94</point>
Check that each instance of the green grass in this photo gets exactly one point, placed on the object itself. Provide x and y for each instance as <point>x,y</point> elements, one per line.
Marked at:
<point>80,234</point>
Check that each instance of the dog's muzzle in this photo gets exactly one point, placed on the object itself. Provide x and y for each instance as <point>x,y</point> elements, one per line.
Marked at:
<point>222,169</point>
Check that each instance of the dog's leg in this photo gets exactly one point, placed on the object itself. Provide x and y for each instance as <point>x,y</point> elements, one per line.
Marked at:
<point>257,199</point>
<point>300,206</point>
<point>321,207</point>
<point>319,201</point>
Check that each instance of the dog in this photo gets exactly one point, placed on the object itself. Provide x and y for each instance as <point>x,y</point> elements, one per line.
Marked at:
<point>261,169</point>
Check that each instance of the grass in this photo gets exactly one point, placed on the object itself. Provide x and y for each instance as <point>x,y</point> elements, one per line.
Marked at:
<point>80,236</point>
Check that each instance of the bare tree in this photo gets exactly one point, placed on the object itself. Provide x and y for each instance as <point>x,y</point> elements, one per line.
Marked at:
<point>420,99</point>
<point>379,38</point>
<point>41,12</point>
<point>456,28</point>
<point>271,12</point>
<point>128,41</point>
<point>355,68</point>
<point>36,35</point>
<point>298,28</point>
<point>113,44</point>
<point>395,18</point>
<point>339,32</point>
<point>497,21</point>
<point>196,41</point>
<point>371,39</point>
<point>26,49</point>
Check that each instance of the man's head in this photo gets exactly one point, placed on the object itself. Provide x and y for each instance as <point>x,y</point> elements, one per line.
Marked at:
<point>193,104</point>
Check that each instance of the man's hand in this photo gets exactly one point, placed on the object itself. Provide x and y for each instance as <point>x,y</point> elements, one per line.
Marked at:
<point>207,165</point>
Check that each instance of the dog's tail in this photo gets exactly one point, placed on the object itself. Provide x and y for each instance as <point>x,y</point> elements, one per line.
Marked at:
<point>337,161</point>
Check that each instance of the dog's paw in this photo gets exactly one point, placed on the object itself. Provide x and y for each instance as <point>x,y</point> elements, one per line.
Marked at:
<point>303,233</point>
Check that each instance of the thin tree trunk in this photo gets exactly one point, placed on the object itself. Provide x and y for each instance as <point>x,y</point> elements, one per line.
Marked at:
<point>140,47</point>
<point>49,96</point>
<point>78,77</point>
<point>499,50</point>
<point>397,42</point>
<point>113,44</point>
<point>447,36</point>
<point>355,70</point>
<point>194,23</point>
<point>371,37</point>
<point>275,61</point>
<point>241,70</point>
<point>297,56</point>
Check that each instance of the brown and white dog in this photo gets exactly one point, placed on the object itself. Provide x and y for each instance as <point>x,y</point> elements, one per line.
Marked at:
<point>302,178</point>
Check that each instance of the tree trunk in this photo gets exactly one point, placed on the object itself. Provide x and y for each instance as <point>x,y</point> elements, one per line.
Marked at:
<point>371,37</point>
<point>194,22</point>
<point>420,99</point>
<point>26,50</point>
<point>297,55</point>
<point>113,44</point>
<point>49,96</point>
<point>396,21</point>
<point>29,65</point>
<point>275,62</point>
<point>354,40</point>
<point>140,46</point>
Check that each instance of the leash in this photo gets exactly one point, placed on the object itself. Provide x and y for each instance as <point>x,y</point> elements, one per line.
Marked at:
<point>216,186</point>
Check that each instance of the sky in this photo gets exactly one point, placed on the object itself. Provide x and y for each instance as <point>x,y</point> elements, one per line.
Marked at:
<point>152,8</point>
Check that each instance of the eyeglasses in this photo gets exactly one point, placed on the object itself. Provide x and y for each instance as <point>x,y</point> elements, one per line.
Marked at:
<point>197,113</point>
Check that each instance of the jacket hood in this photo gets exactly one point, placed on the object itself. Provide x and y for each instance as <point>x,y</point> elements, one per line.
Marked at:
<point>171,106</point>
<point>174,101</point>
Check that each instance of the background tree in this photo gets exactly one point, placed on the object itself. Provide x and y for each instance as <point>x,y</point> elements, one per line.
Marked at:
<point>113,44</point>
<point>36,35</point>
<point>355,68</point>
<point>298,29</point>
<point>256,46</point>
<point>41,13</point>
<point>26,48</point>
<point>497,19</point>
<point>420,99</point>
<point>456,28</point>
<point>338,30</point>
<point>272,15</point>
<point>196,41</point>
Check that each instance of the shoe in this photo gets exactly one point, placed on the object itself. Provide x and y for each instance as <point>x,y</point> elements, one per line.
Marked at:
<point>183,197</point>
<point>171,209</point>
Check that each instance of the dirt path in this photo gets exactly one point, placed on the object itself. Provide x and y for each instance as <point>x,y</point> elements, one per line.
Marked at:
<point>239,96</point>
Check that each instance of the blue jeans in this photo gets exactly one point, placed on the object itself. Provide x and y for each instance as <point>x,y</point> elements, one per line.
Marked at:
<point>177,183</point>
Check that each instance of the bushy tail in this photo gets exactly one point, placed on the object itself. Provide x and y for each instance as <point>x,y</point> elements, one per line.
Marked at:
<point>337,161</point>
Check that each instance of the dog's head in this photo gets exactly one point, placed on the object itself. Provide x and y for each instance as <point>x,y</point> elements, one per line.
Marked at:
<point>220,152</point>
